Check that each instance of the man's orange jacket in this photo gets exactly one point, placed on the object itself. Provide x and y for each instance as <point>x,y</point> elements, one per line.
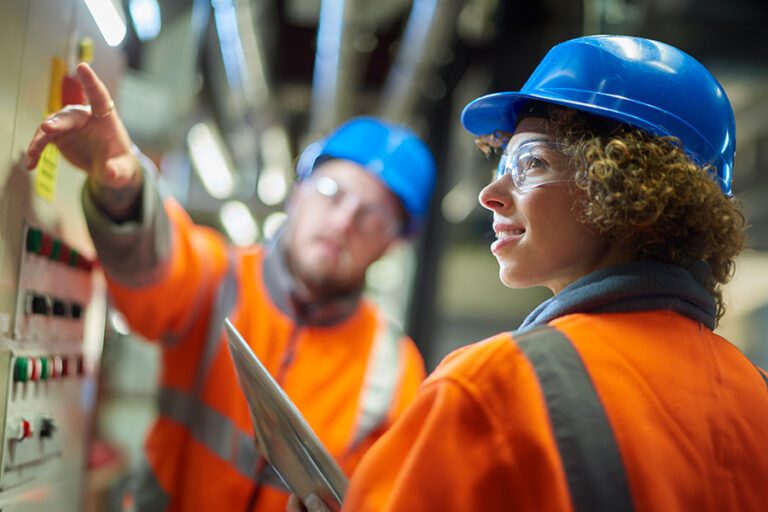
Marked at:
<point>687,411</point>
<point>348,370</point>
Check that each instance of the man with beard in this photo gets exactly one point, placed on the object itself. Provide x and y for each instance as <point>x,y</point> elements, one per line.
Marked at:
<point>298,301</point>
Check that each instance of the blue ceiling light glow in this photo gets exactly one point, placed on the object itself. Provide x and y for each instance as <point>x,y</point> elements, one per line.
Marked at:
<point>146,18</point>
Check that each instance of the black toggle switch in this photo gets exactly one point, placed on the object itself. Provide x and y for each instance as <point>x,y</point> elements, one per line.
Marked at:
<point>38,304</point>
<point>59,308</point>
<point>47,427</point>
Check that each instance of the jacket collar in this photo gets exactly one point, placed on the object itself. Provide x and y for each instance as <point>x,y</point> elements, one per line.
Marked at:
<point>636,286</point>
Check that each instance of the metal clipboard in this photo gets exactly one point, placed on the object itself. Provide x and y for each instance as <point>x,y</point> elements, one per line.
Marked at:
<point>282,435</point>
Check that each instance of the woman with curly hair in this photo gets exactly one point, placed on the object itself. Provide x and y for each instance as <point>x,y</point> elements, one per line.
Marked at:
<point>639,193</point>
<point>612,190</point>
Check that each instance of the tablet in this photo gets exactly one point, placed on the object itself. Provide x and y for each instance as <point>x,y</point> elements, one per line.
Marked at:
<point>282,435</point>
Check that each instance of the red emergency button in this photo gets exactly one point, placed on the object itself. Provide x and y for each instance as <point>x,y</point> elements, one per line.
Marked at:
<point>21,429</point>
<point>26,429</point>
<point>64,253</point>
<point>47,245</point>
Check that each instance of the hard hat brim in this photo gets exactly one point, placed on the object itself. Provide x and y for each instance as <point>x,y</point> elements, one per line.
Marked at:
<point>499,112</point>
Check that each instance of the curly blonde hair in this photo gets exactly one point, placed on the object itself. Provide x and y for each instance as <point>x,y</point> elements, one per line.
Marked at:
<point>643,193</point>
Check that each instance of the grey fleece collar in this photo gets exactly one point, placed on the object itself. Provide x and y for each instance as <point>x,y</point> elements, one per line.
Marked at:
<point>636,286</point>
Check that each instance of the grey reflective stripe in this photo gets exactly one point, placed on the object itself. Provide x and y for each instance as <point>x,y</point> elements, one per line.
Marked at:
<point>765,379</point>
<point>593,466</point>
<point>380,382</point>
<point>226,296</point>
<point>207,426</point>
<point>216,432</point>
<point>210,428</point>
<point>145,491</point>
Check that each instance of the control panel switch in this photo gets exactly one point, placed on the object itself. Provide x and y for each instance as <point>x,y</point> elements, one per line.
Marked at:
<point>47,427</point>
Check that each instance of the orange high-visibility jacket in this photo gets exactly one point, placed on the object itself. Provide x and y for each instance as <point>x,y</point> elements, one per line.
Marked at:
<point>175,282</point>
<point>686,412</point>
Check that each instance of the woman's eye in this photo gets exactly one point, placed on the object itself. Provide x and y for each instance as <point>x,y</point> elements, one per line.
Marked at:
<point>533,163</point>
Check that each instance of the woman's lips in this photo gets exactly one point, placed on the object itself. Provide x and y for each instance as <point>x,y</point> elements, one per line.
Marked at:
<point>505,236</point>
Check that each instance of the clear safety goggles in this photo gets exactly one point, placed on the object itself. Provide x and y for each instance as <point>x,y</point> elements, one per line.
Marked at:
<point>369,219</point>
<point>533,164</point>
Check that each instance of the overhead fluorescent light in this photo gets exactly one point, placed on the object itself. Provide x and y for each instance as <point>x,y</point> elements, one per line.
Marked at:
<point>210,161</point>
<point>276,152</point>
<point>239,223</point>
<point>273,223</point>
<point>109,20</point>
<point>146,18</point>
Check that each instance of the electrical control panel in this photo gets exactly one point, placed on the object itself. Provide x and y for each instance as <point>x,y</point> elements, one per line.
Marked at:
<point>52,293</point>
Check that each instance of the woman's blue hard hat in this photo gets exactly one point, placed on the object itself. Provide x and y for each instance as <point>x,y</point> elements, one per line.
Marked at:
<point>393,153</point>
<point>641,82</point>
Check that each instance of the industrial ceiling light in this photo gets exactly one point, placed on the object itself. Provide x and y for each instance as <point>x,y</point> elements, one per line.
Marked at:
<point>109,20</point>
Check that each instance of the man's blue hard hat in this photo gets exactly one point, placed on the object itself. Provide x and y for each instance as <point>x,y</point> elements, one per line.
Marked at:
<point>391,152</point>
<point>644,83</point>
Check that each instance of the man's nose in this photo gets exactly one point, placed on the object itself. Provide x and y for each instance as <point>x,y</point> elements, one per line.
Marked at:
<point>345,213</point>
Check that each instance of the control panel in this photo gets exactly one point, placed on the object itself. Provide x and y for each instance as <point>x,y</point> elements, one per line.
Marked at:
<point>44,368</point>
<point>54,288</point>
<point>52,293</point>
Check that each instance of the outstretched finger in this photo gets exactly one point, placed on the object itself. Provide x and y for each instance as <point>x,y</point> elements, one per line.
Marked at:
<point>66,120</point>
<point>35,148</point>
<point>95,90</point>
<point>71,117</point>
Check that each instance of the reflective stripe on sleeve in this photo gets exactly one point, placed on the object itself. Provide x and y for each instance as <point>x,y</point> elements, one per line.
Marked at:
<point>765,378</point>
<point>226,296</point>
<point>591,459</point>
<point>145,492</point>
<point>217,433</point>
<point>207,426</point>
<point>381,381</point>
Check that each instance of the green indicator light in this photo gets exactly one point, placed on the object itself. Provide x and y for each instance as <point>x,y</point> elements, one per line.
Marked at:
<point>72,258</point>
<point>34,240</point>
<point>45,372</point>
<point>21,370</point>
<point>56,249</point>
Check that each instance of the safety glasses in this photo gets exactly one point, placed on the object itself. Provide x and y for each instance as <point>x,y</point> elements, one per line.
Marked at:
<point>533,164</point>
<point>369,219</point>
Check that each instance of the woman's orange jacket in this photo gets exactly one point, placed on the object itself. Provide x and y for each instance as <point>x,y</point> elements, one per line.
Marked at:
<point>688,411</point>
<point>350,379</point>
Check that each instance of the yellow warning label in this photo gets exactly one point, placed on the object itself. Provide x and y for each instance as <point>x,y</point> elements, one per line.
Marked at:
<point>47,171</point>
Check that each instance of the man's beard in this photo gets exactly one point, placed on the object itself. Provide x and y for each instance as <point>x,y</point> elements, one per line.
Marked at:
<point>322,282</point>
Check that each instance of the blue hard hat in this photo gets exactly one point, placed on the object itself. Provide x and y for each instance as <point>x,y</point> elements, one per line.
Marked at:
<point>391,152</point>
<point>641,82</point>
